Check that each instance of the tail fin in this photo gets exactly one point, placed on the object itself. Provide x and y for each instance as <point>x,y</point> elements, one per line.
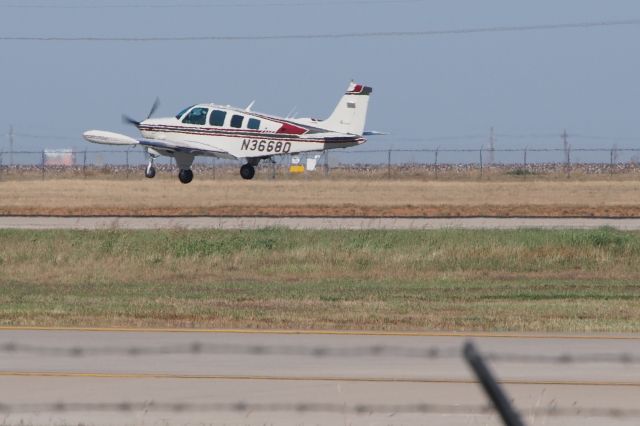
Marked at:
<point>351,112</point>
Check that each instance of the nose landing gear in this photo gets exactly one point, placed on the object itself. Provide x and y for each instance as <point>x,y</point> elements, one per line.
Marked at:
<point>150,171</point>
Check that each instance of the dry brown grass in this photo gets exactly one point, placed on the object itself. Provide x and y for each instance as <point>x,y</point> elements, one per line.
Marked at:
<point>321,198</point>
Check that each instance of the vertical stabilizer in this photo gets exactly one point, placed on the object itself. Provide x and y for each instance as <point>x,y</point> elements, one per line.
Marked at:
<point>350,114</point>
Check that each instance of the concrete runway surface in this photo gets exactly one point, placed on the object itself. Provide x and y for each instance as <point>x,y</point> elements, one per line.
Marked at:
<point>383,372</point>
<point>45,222</point>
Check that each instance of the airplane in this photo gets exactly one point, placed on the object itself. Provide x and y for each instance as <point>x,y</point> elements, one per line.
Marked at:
<point>234,133</point>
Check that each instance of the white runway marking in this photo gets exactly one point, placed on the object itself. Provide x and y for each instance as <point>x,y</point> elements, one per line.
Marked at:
<point>42,222</point>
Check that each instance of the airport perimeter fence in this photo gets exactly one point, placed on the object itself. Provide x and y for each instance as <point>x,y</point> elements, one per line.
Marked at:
<point>481,365</point>
<point>431,164</point>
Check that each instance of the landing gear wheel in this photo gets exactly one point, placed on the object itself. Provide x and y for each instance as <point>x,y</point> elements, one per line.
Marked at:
<point>247,171</point>
<point>185,175</point>
<point>150,172</point>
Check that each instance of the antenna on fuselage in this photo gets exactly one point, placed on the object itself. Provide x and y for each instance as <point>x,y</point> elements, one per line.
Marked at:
<point>248,109</point>
<point>293,111</point>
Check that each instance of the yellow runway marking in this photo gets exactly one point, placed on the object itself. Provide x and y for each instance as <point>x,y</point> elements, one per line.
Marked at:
<point>332,332</point>
<point>64,374</point>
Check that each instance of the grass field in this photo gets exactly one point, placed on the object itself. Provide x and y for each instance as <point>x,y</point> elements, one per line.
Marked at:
<point>361,197</point>
<point>527,280</point>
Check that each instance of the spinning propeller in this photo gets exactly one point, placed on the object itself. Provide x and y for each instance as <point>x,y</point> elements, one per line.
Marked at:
<point>128,120</point>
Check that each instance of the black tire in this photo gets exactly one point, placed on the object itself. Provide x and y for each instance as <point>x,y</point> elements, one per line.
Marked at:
<point>185,175</point>
<point>247,171</point>
<point>150,172</point>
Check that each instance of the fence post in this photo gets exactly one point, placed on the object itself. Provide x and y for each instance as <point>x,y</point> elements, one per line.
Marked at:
<point>389,164</point>
<point>43,160</point>
<point>568,161</point>
<point>436,162</point>
<point>127,157</point>
<point>326,162</point>
<point>509,416</point>
<point>525,170</point>
<point>273,169</point>
<point>481,163</point>
<point>213,168</point>
<point>10,145</point>
<point>84,164</point>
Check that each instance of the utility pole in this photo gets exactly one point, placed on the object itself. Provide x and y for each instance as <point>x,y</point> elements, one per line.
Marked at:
<point>492,146</point>
<point>10,145</point>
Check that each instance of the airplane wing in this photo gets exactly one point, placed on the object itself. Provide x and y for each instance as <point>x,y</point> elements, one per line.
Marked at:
<point>163,147</point>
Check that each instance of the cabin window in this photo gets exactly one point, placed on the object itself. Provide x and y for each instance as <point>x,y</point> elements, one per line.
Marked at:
<point>236,121</point>
<point>254,124</point>
<point>217,117</point>
<point>196,116</point>
<point>181,113</point>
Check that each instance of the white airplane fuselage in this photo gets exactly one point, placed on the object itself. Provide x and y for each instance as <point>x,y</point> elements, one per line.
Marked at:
<point>274,136</point>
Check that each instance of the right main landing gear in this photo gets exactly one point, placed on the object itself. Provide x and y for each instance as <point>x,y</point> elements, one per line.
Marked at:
<point>185,175</point>
<point>247,171</point>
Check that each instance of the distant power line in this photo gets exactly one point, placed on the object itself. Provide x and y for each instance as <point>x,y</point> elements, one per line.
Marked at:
<point>194,5</point>
<point>239,4</point>
<point>425,33</point>
<point>616,138</point>
<point>528,136</point>
<point>441,138</point>
<point>48,137</point>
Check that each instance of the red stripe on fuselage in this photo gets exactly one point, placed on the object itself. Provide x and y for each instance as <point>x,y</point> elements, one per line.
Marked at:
<point>230,133</point>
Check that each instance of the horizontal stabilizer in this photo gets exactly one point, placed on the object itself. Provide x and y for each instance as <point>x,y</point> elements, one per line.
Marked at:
<point>374,133</point>
<point>108,138</point>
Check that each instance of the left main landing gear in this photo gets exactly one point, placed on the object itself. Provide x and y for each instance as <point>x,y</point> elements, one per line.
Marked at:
<point>185,175</point>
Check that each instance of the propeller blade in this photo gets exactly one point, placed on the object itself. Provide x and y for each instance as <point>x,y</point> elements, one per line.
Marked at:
<point>128,120</point>
<point>154,107</point>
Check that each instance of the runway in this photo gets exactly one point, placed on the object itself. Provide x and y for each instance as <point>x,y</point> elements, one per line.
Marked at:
<point>108,222</point>
<point>287,378</point>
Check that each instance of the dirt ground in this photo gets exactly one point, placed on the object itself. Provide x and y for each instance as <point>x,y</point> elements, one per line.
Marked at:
<point>366,198</point>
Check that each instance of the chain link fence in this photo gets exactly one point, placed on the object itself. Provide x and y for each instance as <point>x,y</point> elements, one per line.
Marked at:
<point>428,164</point>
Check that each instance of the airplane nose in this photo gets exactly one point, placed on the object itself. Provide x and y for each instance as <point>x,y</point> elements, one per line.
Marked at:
<point>128,120</point>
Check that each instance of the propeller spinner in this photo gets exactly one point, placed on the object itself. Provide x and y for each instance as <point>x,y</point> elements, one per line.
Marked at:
<point>128,120</point>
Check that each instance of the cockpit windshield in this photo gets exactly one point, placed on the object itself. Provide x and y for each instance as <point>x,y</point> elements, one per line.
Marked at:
<point>181,113</point>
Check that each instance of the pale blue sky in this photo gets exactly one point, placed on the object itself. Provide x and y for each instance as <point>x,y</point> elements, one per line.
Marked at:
<point>539,82</point>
